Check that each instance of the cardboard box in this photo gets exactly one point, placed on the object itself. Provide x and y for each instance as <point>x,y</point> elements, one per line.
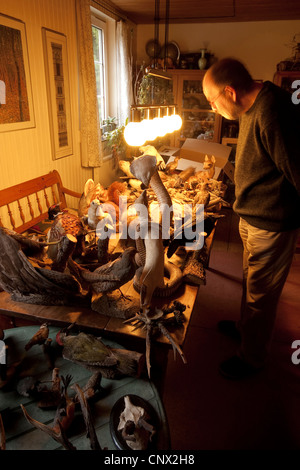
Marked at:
<point>168,151</point>
<point>193,151</point>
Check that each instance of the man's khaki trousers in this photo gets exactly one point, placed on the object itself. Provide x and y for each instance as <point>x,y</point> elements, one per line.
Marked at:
<point>266,262</point>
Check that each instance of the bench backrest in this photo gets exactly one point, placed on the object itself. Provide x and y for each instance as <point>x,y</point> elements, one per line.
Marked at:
<point>26,204</point>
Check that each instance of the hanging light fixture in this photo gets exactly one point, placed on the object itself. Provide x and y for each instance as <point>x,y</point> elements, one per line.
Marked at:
<point>155,71</point>
<point>158,120</point>
<point>164,121</point>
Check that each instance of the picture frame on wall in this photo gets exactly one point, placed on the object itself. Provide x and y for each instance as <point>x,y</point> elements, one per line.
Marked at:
<point>58,92</point>
<point>16,102</point>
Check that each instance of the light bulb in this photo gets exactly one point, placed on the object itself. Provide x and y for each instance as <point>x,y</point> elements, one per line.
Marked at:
<point>168,124</point>
<point>149,129</point>
<point>176,121</point>
<point>134,134</point>
<point>159,128</point>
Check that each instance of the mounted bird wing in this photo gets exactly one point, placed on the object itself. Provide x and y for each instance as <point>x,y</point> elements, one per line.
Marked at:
<point>27,283</point>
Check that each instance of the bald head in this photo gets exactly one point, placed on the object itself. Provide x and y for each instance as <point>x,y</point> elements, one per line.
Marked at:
<point>229,88</point>
<point>229,72</point>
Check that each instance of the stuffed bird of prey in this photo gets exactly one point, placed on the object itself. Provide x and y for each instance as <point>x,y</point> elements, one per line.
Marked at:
<point>112,275</point>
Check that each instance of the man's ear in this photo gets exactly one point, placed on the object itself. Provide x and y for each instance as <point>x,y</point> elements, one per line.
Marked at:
<point>231,92</point>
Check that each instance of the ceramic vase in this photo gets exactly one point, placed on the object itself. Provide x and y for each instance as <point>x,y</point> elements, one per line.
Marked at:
<point>202,61</point>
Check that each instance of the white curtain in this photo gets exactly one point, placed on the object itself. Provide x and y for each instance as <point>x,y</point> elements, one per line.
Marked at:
<point>124,70</point>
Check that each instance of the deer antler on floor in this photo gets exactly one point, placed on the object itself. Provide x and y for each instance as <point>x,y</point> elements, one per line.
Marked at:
<point>63,418</point>
<point>90,429</point>
<point>59,436</point>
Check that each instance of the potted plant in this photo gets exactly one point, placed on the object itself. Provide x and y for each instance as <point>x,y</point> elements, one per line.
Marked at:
<point>116,144</point>
<point>109,124</point>
<point>154,91</point>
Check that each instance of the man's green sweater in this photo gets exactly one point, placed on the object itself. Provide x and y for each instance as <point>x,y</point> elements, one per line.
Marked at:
<point>267,175</point>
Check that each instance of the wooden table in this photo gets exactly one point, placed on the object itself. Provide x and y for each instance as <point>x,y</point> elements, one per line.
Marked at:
<point>111,327</point>
<point>20,435</point>
<point>108,327</point>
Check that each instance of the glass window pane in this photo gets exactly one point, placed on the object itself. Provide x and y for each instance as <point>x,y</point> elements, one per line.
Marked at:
<point>98,48</point>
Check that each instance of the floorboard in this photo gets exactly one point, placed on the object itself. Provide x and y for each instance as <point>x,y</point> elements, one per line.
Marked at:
<point>205,410</point>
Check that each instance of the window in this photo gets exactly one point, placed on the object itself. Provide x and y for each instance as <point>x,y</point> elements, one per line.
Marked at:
<point>103,33</point>
<point>98,33</point>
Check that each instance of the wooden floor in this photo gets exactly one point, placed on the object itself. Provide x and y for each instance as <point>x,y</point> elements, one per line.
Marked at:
<point>205,410</point>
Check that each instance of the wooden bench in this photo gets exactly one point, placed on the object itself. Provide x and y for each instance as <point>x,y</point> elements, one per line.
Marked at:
<point>25,205</point>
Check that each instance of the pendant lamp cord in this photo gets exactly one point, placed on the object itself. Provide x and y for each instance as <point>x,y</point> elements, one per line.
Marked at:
<point>156,32</point>
<point>166,32</point>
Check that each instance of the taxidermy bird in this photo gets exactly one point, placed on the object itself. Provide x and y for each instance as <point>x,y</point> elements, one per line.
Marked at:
<point>91,191</point>
<point>54,210</point>
<point>64,223</point>
<point>112,275</point>
<point>96,214</point>
<point>171,166</point>
<point>39,337</point>
<point>90,352</point>
<point>179,238</point>
<point>203,195</point>
<point>115,190</point>
<point>105,217</point>
<point>93,218</point>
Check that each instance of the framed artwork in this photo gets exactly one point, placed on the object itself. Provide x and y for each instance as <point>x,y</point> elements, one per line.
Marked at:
<point>58,88</point>
<point>16,104</point>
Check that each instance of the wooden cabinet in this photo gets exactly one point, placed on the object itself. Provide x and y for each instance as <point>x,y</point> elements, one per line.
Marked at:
<point>199,120</point>
<point>229,129</point>
<point>285,79</point>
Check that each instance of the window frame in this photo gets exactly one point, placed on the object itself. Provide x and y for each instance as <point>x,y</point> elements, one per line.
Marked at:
<point>100,24</point>
<point>108,25</point>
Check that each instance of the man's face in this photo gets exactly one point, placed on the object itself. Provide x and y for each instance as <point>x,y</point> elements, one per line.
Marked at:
<point>221,100</point>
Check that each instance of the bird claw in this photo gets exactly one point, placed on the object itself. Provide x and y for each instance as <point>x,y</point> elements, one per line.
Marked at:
<point>123,296</point>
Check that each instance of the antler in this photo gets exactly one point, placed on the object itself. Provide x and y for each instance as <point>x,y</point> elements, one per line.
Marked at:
<point>57,436</point>
<point>91,433</point>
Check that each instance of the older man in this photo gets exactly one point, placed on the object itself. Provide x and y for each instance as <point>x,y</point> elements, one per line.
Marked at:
<point>267,199</point>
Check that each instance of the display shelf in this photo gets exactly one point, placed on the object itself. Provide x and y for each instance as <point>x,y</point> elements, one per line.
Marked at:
<point>199,120</point>
<point>286,79</point>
